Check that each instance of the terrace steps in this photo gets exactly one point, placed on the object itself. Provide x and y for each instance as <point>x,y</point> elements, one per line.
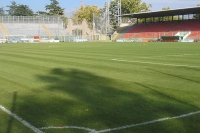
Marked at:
<point>47,30</point>
<point>116,34</point>
<point>4,29</point>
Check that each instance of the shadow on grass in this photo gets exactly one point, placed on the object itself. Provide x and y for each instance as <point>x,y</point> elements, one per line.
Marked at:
<point>165,96</point>
<point>78,98</point>
<point>13,108</point>
<point>176,76</point>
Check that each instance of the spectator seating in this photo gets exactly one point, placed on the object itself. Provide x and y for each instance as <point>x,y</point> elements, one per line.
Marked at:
<point>134,29</point>
<point>155,30</point>
<point>34,29</point>
<point>190,25</point>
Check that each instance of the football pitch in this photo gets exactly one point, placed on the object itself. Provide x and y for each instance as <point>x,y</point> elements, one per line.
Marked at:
<point>100,88</point>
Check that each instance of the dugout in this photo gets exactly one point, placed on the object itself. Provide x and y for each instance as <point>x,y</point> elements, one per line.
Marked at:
<point>171,38</point>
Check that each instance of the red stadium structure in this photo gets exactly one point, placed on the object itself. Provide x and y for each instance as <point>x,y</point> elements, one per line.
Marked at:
<point>179,25</point>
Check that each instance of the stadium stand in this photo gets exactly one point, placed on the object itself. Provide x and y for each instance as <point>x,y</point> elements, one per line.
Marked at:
<point>3,29</point>
<point>1,33</point>
<point>55,30</point>
<point>46,27</point>
<point>135,29</point>
<point>189,25</point>
<point>183,29</point>
<point>151,30</point>
<point>24,29</point>
<point>115,35</point>
<point>47,30</point>
<point>194,34</point>
<point>121,32</point>
<point>156,30</point>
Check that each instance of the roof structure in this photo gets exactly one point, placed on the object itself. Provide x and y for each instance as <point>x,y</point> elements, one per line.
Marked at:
<point>174,12</point>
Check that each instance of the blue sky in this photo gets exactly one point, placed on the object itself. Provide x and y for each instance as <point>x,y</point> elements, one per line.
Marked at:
<point>73,4</point>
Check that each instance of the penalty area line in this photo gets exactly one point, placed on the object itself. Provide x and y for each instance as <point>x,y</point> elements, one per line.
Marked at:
<point>180,55</point>
<point>70,127</point>
<point>36,130</point>
<point>123,127</point>
<point>153,63</point>
<point>149,122</point>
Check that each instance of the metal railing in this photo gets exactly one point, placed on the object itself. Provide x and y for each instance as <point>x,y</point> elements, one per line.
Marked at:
<point>31,19</point>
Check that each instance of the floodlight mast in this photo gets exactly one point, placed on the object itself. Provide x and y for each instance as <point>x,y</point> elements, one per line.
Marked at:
<point>107,17</point>
<point>119,9</point>
<point>107,14</point>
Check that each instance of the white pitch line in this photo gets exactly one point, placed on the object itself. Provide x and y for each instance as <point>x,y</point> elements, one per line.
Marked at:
<point>70,127</point>
<point>148,122</point>
<point>123,127</point>
<point>36,130</point>
<point>180,55</point>
<point>153,63</point>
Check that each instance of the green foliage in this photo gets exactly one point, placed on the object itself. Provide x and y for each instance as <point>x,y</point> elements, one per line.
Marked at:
<point>134,6</point>
<point>54,8</point>
<point>166,18</point>
<point>85,12</point>
<point>127,7</point>
<point>2,11</point>
<point>197,16</point>
<point>113,12</point>
<point>12,8</point>
<point>130,6</point>
<point>23,10</point>
<point>19,10</point>
<point>42,13</point>
<point>169,18</point>
<point>65,20</point>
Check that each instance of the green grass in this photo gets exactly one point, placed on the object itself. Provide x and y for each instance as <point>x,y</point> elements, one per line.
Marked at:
<point>78,84</point>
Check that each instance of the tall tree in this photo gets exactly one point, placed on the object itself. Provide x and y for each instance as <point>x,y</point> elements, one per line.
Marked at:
<point>12,8</point>
<point>2,12</point>
<point>23,10</point>
<point>19,10</point>
<point>85,12</point>
<point>134,6</point>
<point>54,8</point>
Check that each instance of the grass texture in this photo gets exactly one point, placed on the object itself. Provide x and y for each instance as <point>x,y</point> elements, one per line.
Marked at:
<point>100,86</point>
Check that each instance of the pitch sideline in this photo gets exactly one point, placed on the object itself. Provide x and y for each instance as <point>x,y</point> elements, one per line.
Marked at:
<point>178,55</point>
<point>154,63</point>
<point>36,130</point>
<point>149,122</point>
<point>126,126</point>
